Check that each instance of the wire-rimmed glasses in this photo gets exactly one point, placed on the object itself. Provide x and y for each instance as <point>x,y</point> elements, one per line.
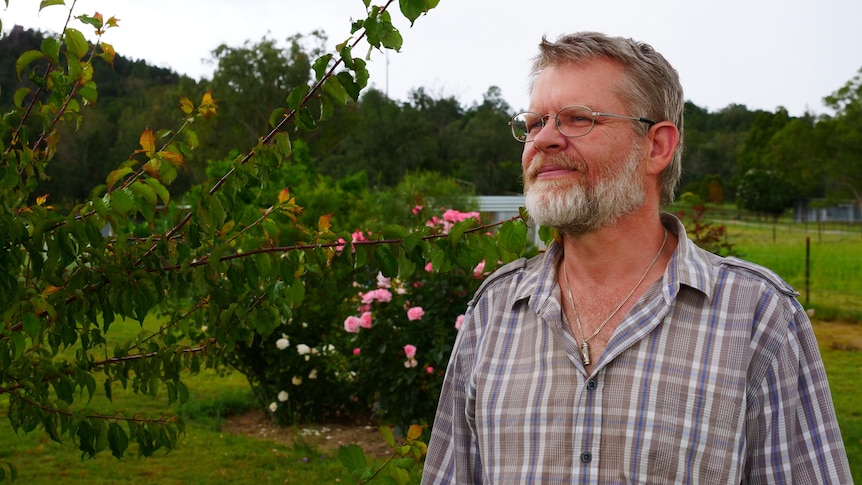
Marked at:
<point>572,121</point>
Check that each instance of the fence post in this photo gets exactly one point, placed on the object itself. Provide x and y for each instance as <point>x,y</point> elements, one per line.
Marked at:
<point>807,268</point>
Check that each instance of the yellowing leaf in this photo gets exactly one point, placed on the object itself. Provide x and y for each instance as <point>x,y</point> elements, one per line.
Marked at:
<point>50,290</point>
<point>41,199</point>
<point>284,195</point>
<point>173,158</point>
<point>116,175</point>
<point>152,167</point>
<point>208,105</point>
<point>186,106</point>
<point>148,142</point>
<point>415,431</point>
<point>108,53</point>
<point>323,223</point>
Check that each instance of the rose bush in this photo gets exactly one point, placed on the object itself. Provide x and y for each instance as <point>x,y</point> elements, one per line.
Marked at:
<point>397,357</point>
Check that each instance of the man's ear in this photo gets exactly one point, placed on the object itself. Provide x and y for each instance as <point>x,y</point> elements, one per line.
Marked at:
<point>664,139</point>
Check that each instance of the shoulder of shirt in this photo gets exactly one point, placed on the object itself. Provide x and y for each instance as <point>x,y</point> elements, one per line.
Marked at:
<point>502,274</point>
<point>758,272</point>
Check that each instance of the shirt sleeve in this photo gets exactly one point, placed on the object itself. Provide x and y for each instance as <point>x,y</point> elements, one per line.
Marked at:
<point>792,431</point>
<point>453,455</point>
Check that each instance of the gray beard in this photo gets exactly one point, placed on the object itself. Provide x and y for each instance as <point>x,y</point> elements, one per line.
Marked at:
<point>578,207</point>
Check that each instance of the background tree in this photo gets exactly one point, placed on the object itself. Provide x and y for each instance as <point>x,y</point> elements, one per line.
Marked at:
<point>486,154</point>
<point>765,192</point>
<point>843,139</point>
<point>249,81</point>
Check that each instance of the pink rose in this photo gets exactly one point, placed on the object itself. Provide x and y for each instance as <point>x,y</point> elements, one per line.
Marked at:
<point>358,236</point>
<point>452,215</point>
<point>340,246</point>
<point>352,324</point>
<point>356,351</point>
<point>459,321</point>
<point>383,295</point>
<point>415,313</point>
<point>429,267</point>
<point>365,320</point>
<point>383,282</point>
<point>429,369</point>
<point>410,351</point>
<point>417,209</point>
<point>479,269</point>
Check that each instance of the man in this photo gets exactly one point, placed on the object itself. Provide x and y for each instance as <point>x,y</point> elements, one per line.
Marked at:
<point>624,353</point>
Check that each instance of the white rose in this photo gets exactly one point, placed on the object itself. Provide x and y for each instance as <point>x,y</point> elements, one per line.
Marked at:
<point>272,407</point>
<point>282,343</point>
<point>312,374</point>
<point>282,396</point>
<point>297,380</point>
<point>303,349</point>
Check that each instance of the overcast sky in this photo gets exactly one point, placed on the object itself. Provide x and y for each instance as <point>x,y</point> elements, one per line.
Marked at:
<point>760,53</point>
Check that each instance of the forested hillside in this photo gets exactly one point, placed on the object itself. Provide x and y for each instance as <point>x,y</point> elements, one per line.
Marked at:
<point>784,158</point>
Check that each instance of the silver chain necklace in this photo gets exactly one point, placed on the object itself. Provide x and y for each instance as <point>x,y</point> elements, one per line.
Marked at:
<point>585,346</point>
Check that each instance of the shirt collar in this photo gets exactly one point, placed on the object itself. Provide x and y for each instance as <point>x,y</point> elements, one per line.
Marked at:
<point>689,266</point>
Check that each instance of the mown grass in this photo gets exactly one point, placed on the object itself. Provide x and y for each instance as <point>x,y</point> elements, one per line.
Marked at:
<point>208,455</point>
<point>205,454</point>
<point>833,285</point>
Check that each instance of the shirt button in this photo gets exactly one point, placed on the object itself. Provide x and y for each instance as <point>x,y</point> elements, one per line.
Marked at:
<point>586,457</point>
<point>592,384</point>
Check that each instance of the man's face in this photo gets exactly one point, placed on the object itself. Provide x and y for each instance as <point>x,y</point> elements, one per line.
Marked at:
<point>579,185</point>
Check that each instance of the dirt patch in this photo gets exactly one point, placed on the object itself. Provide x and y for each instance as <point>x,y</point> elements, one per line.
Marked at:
<point>839,335</point>
<point>328,437</point>
<point>324,437</point>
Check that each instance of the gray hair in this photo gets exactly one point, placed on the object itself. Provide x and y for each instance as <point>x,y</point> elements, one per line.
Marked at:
<point>650,88</point>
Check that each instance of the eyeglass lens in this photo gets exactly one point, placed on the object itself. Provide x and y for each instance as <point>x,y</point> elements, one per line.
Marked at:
<point>572,121</point>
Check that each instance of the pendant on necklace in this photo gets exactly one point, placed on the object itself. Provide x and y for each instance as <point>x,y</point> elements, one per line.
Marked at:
<point>585,352</point>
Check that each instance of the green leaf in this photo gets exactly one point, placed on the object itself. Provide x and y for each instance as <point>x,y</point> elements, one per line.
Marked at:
<point>412,9</point>
<point>352,457</point>
<point>76,44</point>
<point>31,325</point>
<point>458,230</point>
<point>159,190</point>
<point>25,60</point>
<point>20,95</point>
<point>406,267</point>
<point>321,64</point>
<point>332,86</point>
<point>20,342</point>
<point>512,236</point>
<point>122,201</point>
<point>51,49</point>
<point>49,3</point>
<point>93,21</point>
<point>386,260</point>
<point>388,436</point>
<point>118,441</point>
<point>108,391</point>
<point>294,99</point>
<point>145,192</point>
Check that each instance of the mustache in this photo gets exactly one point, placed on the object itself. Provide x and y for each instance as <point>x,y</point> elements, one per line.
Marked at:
<point>555,160</point>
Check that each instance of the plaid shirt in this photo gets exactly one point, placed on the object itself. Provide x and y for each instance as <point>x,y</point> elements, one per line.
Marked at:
<point>714,376</point>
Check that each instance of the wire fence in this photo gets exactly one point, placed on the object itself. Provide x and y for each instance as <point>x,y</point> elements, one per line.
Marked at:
<point>821,260</point>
